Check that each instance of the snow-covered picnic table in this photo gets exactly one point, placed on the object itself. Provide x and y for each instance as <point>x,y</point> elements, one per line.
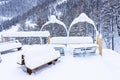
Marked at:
<point>36,56</point>
<point>78,44</point>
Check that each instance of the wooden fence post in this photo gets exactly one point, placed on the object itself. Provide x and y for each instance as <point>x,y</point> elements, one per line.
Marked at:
<point>5,39</point>
<point>97,37</point>
<point>48,39</point>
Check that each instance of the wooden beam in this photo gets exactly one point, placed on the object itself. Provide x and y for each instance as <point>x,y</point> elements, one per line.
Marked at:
<point>48,39</point>
<point>100,45</point>
<point>5,39</point>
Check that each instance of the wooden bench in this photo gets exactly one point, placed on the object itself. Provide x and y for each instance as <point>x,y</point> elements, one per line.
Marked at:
<point>35,56</point>
<point>76,45</point>
<point>5,46</point>
<point>82,46</point>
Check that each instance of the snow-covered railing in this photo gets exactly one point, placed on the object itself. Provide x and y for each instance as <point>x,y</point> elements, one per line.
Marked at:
<point>7,35</point>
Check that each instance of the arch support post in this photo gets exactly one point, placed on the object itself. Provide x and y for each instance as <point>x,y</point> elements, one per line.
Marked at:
<point>100,44</point>
<point>5,39</point>
<point>48,39</point>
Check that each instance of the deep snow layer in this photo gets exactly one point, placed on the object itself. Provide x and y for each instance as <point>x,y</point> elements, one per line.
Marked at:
<point>68,67</point>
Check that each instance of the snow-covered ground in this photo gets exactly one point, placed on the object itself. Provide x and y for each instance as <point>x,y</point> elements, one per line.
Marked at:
<point>95,67</point>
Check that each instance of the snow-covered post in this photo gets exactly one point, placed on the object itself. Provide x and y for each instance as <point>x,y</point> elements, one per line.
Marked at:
<point>97,37</point>
<point>53,20</point>
<point>100,44</point>
<point>0,58</point>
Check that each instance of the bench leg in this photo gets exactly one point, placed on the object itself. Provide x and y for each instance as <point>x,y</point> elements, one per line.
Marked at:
<point>52,62</point>
<point>29,71</point>
<point>23,60</point>
<point>19,49</point>
<point>49,63</point>
<point>56,59</point>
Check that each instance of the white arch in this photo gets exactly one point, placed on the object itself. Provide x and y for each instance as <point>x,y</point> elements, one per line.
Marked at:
<point>53,19</point>
<point>81,18</point>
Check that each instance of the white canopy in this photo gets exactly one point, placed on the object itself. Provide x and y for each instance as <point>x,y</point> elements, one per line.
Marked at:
<point>53,19</point>
<point>82,18</point>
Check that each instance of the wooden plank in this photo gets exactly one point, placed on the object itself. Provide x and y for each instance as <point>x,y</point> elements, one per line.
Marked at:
<point>29,71</point>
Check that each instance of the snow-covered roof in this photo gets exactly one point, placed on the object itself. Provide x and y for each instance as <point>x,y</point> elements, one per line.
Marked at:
<point>26,34</point>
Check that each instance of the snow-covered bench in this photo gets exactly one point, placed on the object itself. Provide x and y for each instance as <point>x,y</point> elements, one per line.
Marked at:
<point>82,46</point>
<point>77,45</point>
<point>83,49</point>
<point>36,56</point>
<point>5,46</point>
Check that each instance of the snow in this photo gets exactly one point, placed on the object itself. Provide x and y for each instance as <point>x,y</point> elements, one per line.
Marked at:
<point>117,44</point>
<point>26,34</point>
<point>3,2</point>
<point>30,24</point>
<point>13,28</point>
<point>100,36</point>
<point>53,19</point>
<point>71,40</point>
<point>61,1</point>
<point>37,55</point>
<point>95,67</point>
<point>82,45</point>
<point>9,45</point>
<point>82,18</point>
<point>3,18</point>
